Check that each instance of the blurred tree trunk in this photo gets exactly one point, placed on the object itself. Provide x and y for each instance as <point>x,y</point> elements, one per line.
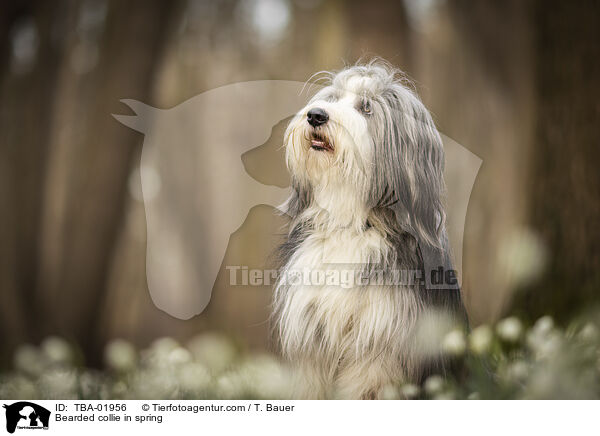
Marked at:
<point>28,94</point>
<point>69,162</point>
<point>565,197</point>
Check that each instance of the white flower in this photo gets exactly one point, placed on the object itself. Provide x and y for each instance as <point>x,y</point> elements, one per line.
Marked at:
<point>544,325</point>
<point>120,355</point>
<point>59,385</point>
<point>474,396</point>
<point>454,343</point>
<point>517,371</point>
<point>230,385</point>
<point>589,333</point>
<point>154,383</point>
<point>389,392</point>
<point>179,356</point>
<point>409,391</point>
<point>434,384</point>
<point>445,395</point>
<point>213,350</point>
<point>57,350</point>
<point>431,329</point>
<point>549,346</point>
<point>159,353</point>
<point>265,377</point>
<point>193,377</point>
<point>165,344</point>
<point>522,256</point>
<point>544,339</point>
<point>28,359</point>
<point>16,386</point>
<point>510,329</point>
<point>119,390</point>
<point>92,385</point>
<point>480,339</point>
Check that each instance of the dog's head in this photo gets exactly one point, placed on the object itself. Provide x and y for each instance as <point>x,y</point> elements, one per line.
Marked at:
<point>366,143</point>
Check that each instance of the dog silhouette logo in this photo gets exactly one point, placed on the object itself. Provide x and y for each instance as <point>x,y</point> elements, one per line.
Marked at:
<point>197,191</point>
<point>195,187</point>
<point>26,415</point>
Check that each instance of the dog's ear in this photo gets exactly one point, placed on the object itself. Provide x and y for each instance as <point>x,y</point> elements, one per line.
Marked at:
<point>410,166</point>
<point>410,172</point>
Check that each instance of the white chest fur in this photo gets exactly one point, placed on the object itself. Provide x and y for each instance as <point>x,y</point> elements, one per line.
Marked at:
<point>329,322</point>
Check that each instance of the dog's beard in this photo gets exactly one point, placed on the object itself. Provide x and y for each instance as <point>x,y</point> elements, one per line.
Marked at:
<point>324,164</point>
<point>330,150</point>
<point>312,153</point>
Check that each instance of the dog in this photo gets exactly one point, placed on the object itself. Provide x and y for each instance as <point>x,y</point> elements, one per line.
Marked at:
<point>366,163</point>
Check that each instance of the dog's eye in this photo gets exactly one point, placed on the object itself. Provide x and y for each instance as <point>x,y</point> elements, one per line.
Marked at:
<point>365,107</point>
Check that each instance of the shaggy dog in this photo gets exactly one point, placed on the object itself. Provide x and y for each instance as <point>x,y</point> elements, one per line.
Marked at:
<point>367,243</point>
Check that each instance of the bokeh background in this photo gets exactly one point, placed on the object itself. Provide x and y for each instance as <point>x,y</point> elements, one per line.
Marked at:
<point>515,82</point>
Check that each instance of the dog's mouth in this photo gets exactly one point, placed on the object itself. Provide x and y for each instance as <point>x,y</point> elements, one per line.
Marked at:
<point>320,143</point>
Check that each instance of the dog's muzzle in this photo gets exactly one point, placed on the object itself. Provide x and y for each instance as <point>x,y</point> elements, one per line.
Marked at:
<point>320,143</point>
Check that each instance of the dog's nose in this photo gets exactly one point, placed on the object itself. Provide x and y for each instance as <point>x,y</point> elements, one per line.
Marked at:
<point>317,117</point>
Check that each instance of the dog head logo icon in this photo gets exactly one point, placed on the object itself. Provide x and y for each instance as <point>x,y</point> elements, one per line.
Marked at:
<point>26,415</point>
